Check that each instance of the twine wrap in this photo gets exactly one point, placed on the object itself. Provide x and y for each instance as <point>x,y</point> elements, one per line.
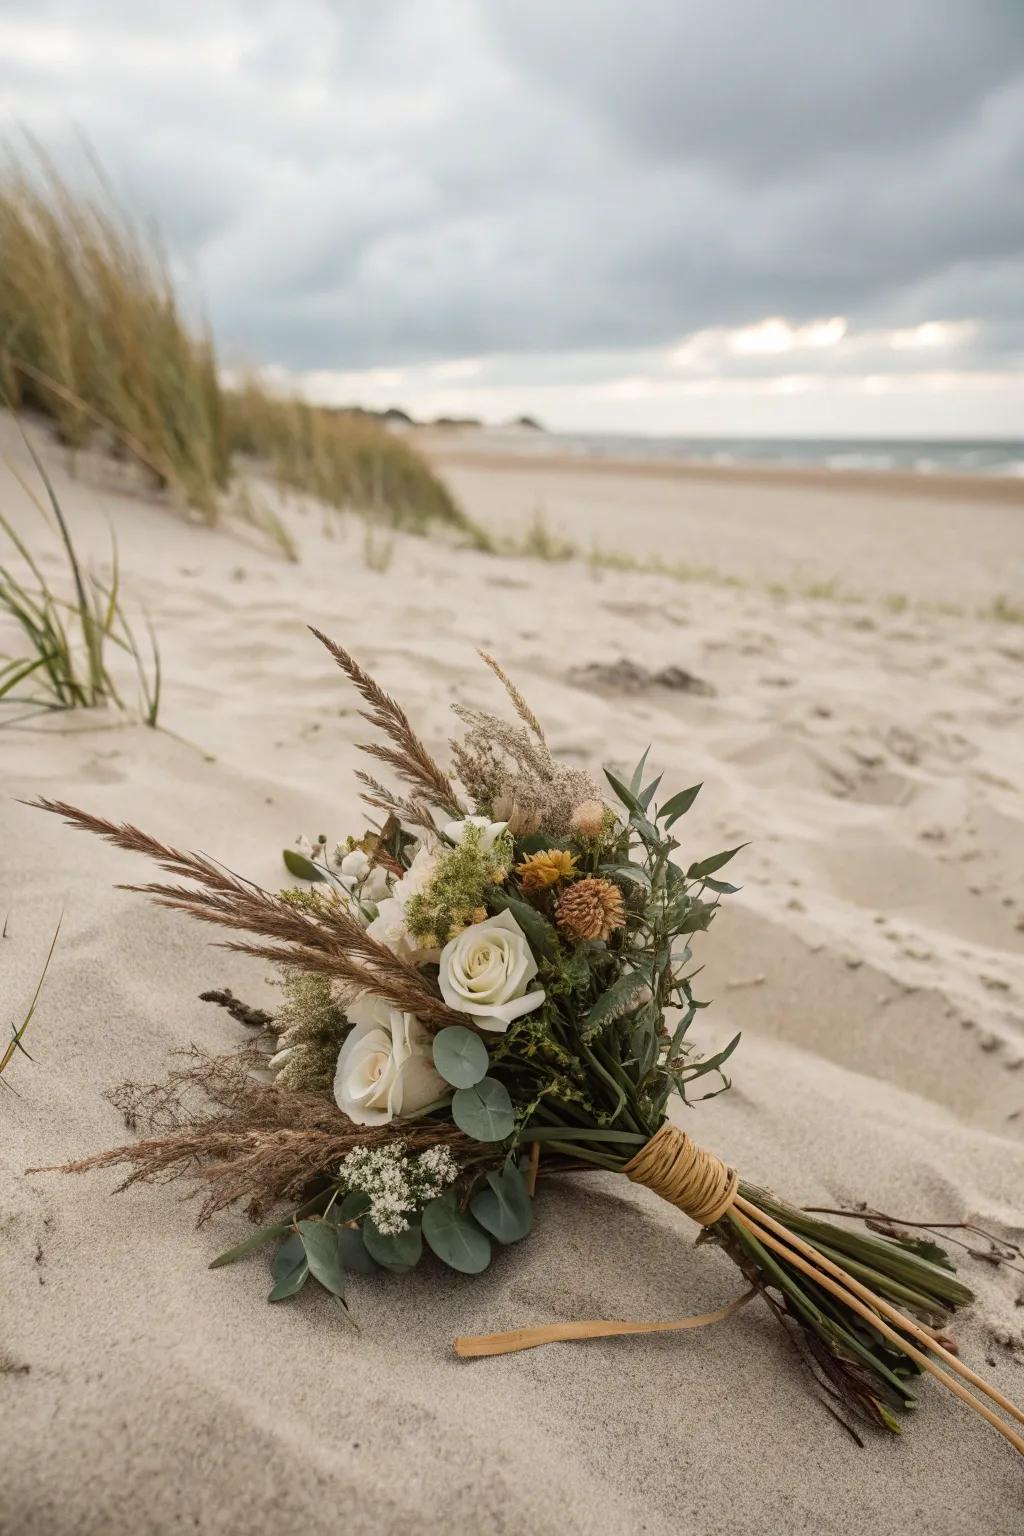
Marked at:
<point>687,1176</point>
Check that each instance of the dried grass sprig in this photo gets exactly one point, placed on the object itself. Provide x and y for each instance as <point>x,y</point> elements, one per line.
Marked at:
<point>329,940</point>
<point>414,812</point>
<point>522,709</point>
<point>408,757</point>
<point>260,1143</point>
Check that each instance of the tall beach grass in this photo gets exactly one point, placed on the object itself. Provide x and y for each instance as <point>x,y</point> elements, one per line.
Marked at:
<point>93,335</point>
<point>64,635</point>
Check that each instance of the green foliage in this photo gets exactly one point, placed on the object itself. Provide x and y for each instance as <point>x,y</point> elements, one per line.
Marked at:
<point>540,935</point>
<point>322,1242</point>
<point>69,637</point>
<point>504,1208</point>
<point>289,1267</point>
<point>457,890</point>
<point>484,1111</point>
<point>455,1237</point>
<point>302,868</point>
<point>398,1251</point>
<point>18,1030</point>
<point>460,1056</point>
<point>311,1029</point>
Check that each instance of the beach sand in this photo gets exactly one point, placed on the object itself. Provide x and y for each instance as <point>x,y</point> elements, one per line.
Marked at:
<point>873,961</point>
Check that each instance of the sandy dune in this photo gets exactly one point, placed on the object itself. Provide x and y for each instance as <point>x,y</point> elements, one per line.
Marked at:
<point>874,960</point>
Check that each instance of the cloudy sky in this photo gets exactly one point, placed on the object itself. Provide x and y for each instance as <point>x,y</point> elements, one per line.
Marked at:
<point>690,216</point>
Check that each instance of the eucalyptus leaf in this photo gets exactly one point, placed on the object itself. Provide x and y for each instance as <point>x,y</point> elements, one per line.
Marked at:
<point>460,1056</point>
<point>647,794</point>
<point>720,887</point>
<point>321,1240</point>
<point>484,1111</point>
<point>290,1253</point>
<point>627,796</point>
<point>634,872</point>
<point>289,1268</point>
<point>302,868</point>
<point>505,1209</point>
<point>679,804</point>
<point>355,1255</point>
<point>251,1243</point>
<point>455,1237</point>
<point>394,1251</point>
<point>352,1206</point>
<point>708,866</point>
<point>637,776</point>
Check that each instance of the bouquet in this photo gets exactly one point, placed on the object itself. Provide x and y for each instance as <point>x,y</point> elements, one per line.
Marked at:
<point>499,974</point>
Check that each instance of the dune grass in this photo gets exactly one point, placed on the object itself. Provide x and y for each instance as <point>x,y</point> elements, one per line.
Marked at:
<point>66,641</point>
<point>92,334</point>
<point>344,460</point>
<point>14,1045</point>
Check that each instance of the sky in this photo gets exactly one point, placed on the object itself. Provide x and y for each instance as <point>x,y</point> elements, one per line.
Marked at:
<point>760,217</point>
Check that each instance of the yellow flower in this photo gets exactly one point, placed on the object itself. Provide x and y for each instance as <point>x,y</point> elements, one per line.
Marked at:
<point>542,870</point>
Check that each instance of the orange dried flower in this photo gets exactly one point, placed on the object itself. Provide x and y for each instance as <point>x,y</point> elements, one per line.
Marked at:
<point>590,909</point>
<point>542,870</point>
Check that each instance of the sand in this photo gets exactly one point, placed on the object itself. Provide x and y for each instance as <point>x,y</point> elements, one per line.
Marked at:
<point>873,961</point>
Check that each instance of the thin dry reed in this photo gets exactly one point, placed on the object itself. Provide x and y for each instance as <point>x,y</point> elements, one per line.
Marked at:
<point>408,757</point>
<point>250,1140</point>
<point>328,940</point>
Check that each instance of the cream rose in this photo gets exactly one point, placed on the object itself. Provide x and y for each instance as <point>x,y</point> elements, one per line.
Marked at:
<point>486,970</point>
<point>386,1066</point>
<point>490,831</point>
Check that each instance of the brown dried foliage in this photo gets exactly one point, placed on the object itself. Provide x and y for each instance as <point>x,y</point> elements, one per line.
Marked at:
<point>239,1137</point>
<point>522,709</point>
<point>408,756</point>
<point>328,940</point>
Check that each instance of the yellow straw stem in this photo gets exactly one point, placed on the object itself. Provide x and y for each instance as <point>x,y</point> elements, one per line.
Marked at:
<point>870,1316</point>
<point>924,1335</point>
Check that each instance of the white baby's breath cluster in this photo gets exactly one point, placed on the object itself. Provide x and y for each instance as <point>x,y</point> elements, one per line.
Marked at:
<point>397,1181</point>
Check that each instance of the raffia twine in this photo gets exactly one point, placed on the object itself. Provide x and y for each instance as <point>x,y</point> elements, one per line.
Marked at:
<point>687,1176</point>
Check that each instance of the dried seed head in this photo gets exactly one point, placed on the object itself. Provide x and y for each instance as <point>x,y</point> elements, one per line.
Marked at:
<point>588,819</point>
<point>590,909</point>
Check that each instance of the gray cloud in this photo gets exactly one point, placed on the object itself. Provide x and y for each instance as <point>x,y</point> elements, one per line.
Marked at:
<point>359,185</point>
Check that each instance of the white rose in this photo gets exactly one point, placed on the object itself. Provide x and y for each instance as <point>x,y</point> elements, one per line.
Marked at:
<point>486,970</point>
<point>490,830</point>
<point>386,1066</point>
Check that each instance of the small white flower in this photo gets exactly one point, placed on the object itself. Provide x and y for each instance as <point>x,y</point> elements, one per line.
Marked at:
<point>486,970</point>
<point>389,926</point>
<point>490,831</point>
<point>305,847</point>
<point>356,871</point>
<point>397,1181</point>
<point>386,1065</point>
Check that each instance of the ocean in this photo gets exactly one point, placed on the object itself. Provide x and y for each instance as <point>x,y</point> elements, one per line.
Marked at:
<point>920,456</point>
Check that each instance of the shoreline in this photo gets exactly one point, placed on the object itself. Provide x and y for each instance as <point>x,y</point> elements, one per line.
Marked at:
<point>461,453</point>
